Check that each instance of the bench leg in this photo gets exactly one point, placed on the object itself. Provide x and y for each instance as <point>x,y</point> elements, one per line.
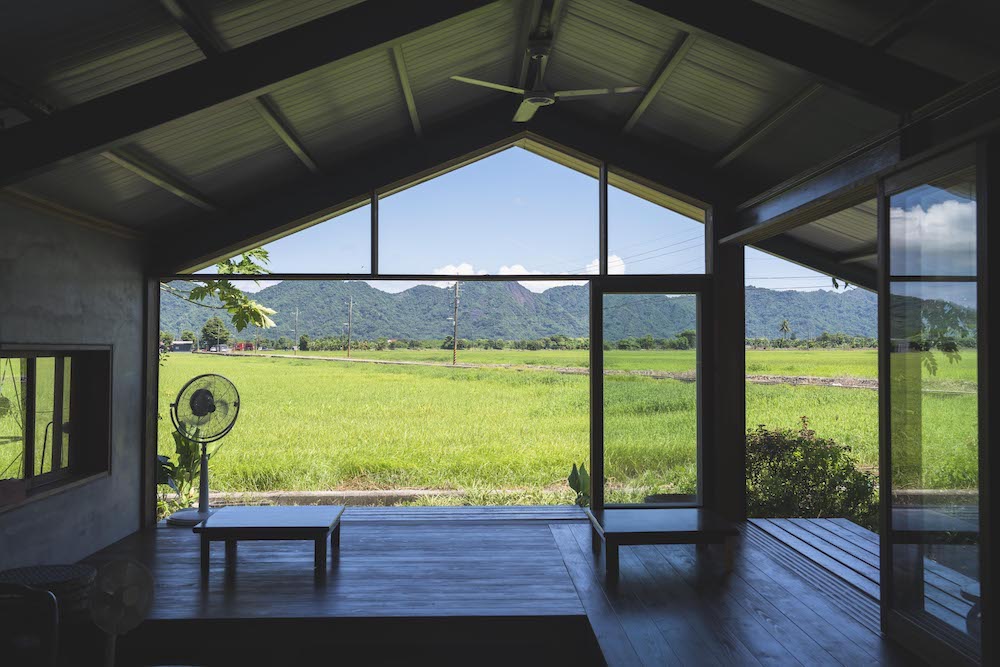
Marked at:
<point>611,562</point>
<point>205,553</point>
<point>335,538</point>
<point>230,554</point>
<point>320,555</point>
<point>595,539</point>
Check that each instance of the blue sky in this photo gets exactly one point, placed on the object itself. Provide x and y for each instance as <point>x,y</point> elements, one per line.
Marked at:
<point>515,213</point>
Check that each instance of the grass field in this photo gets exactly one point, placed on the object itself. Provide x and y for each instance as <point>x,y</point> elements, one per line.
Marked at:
<point>817,363</point>
<point>507,436</point>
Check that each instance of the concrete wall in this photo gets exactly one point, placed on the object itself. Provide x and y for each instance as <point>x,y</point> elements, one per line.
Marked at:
<point>61,283</point>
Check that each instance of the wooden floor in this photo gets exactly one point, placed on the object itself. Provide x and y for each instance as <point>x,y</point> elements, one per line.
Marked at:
<point>494,586</point>
<point>852,553</point>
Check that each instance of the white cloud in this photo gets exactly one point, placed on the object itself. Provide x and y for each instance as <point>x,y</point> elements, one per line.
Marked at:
<point>940,239</point>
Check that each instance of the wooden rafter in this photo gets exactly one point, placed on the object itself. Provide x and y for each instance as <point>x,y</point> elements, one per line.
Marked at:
<point>234,76</point>
<point>37,109</point>
<point>860,70</point>
<point>192,21</point>
<point>880,41</point>
<point>404,85</point>
<point>670,63</point>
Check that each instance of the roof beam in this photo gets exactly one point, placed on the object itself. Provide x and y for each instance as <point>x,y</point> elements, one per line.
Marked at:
<point>158,176</point>
<point>843,184</point>
<point>879,41</point>
<point>404,84</point>
<point>201,33</point>
<point>670,63</point>
<point>272,214</point>
<point>36,108</point>
<point>231,77</point>
<point>862,71</point>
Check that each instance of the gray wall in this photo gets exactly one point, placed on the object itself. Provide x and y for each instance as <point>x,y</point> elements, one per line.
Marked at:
<point>60,283</point>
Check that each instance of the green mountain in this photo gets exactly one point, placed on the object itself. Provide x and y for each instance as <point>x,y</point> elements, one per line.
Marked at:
<point>508,310</point>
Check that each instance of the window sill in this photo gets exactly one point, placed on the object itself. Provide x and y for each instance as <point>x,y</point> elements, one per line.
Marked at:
<point>47,491</point>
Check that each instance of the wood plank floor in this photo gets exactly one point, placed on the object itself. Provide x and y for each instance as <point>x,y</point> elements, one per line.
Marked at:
<point>440,584</point>
<point>852,552</point>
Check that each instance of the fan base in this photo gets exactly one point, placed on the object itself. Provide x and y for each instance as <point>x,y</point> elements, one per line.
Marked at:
<point>188,517</point>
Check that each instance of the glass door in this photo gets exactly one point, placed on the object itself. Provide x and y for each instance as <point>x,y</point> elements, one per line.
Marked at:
<point>651,386</point>
<point>930,392</point>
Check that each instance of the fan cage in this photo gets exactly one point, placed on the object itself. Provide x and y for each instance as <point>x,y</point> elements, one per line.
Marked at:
<point>203,439</point>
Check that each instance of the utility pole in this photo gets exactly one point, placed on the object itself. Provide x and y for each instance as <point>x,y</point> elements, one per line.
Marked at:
<point>454,335</point>
<point>295,342</point>
<point>350,318</point>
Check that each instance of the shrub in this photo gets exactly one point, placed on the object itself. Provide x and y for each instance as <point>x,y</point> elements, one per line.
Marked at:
<point>795,474</point>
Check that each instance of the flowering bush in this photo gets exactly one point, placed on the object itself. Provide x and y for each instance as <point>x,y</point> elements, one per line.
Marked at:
<point>795,474</point>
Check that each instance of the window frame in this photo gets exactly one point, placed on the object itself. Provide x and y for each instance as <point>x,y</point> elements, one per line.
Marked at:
<point>89,455</point>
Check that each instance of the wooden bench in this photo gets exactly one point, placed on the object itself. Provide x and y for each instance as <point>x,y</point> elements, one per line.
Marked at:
<point>616,527</point>
<point>231,524</point>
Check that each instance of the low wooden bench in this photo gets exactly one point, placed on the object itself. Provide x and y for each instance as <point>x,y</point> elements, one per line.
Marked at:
<point>231,524</point>
<point>617,527</point>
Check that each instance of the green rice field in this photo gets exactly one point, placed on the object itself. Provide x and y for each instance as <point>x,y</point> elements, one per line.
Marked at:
<point>510,435</point>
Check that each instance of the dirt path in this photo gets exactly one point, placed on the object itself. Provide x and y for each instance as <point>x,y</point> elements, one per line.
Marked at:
<point>684,376</point>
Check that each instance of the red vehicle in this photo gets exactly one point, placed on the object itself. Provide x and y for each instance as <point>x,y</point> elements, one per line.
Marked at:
<point>244,347</point>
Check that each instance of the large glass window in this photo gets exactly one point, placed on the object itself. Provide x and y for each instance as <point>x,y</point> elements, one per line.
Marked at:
<point>648,238</point>
<point>650,398</point>
<point>512,213</point>
<point>933,398</point>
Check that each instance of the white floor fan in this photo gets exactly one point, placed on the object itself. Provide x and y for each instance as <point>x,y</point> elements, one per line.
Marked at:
<point>205,410</point>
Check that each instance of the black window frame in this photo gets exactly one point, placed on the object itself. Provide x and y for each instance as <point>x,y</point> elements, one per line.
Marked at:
<point>90,406</point>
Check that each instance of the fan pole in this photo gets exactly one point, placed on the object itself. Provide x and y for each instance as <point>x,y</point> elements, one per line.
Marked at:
<point>203,483</point>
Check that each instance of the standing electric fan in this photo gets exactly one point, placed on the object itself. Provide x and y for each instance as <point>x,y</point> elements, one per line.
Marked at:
<point>204,411</point>
<point>119,601</point>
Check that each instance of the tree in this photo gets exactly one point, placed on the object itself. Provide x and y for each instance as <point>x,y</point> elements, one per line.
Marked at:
<point>304,342</point>
<point>283,343</point>
<point>215,332</point>
<point>166,338</point>
<point>243,311</point>
<point>187,334</point>
<point>690,334</point>
<point>785,329</point>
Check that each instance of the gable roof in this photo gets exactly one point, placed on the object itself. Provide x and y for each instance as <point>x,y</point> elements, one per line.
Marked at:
<point>243,118</point>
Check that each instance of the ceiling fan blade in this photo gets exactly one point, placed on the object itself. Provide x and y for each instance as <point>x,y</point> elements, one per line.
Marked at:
<point>489,84</point>
<point>525,112</point>
<point>591,92</point>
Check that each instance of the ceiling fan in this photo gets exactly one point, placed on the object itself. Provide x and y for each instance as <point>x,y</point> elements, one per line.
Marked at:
<point>538,95</point>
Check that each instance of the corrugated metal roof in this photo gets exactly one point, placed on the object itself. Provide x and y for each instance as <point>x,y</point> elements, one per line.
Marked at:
<point>479,45</point>
<point>851,231</point>
<point>100,187</point>
<point>603,44</point>
<point>226,153</point>
<point>341,108</point>
<point>717,92</point>
<point>240,22</point>
<point>821,127</point>
<point>76,51</point>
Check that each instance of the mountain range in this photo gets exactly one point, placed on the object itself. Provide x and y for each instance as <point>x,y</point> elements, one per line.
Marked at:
<point>510,311</point>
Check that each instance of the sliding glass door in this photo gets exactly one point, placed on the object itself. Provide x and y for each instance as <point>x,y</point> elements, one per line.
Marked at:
<point>930,393</point>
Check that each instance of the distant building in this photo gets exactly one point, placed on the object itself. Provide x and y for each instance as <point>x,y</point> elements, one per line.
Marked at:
<point>182,346</point>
